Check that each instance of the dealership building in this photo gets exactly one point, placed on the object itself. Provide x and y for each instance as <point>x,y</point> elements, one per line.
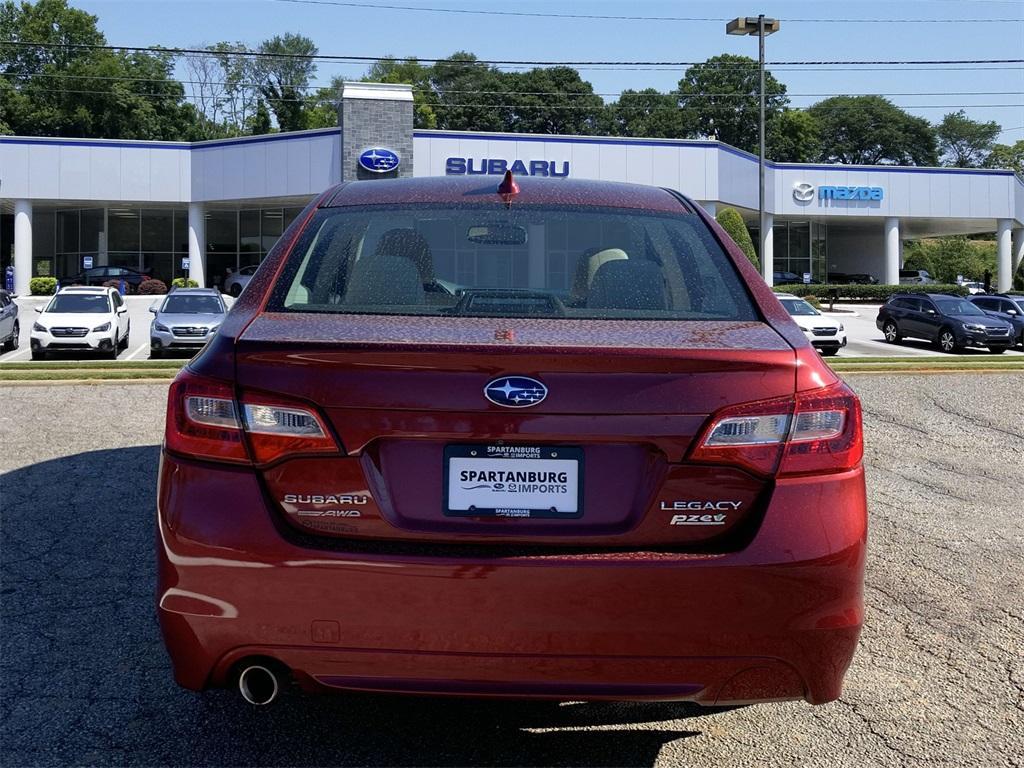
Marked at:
<point>205,209</point>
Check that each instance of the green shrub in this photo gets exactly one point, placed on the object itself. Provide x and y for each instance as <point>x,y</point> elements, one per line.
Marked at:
<point>879,293</point>
<point>183,282</point>
<point>814,301</point>
<point>947,257</point>
<point>42,286</point>
<point>152,287</point>
<point>731,221</point>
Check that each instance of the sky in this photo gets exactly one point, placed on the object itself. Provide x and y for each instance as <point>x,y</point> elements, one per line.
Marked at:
<point>821,30</point>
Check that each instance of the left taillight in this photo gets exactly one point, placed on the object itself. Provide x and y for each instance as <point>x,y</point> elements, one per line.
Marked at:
<point>813,433</point>
<point>206,421</point>
<point>202,420</point>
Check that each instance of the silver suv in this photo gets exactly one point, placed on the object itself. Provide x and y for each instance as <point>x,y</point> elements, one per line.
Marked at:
<point>185,320</point>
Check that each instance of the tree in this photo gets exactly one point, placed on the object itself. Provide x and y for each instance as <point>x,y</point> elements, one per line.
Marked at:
<point>731,221</point>
<point>410,71</point>
<point>241,75</point>
<point>872,130</point>
<point>720,99</point>
<point>551,100</point>
<point>284,70</point>
<point>70,90</point>
<point>965,143</point>
<point>1007,156</point>
<point>647,113</point>
<point>470,96</point>
<point>794,136</point>
<point>946,258</point>
<point>259,123</point>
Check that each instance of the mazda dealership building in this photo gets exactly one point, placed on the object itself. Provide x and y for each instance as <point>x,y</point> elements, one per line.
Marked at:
<point>205,209</point>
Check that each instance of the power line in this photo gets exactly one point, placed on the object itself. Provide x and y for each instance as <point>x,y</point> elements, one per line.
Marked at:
<point>494,105</point>
<point>609,17</point>
<point>570,94</point>
<point>515,62</point>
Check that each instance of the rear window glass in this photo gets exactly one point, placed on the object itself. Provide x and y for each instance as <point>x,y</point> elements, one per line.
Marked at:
<point>488,261</point>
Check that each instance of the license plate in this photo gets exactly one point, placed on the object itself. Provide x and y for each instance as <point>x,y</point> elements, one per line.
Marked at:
<point>513,481</point>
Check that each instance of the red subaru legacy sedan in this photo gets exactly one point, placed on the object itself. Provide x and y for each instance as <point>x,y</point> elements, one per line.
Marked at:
<point>542,438</point>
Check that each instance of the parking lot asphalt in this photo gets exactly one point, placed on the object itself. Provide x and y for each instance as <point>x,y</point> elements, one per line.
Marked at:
<point>938,678</point>
<point>864,339</point>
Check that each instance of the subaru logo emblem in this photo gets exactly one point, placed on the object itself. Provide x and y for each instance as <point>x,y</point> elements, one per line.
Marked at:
<point>379,160</point>
<point>515,391</point>
<point>803,192</point>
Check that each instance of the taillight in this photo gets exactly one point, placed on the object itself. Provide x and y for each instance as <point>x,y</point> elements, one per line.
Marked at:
<point>276,428</point>
<point>204,420</point>
<point>817,431</point>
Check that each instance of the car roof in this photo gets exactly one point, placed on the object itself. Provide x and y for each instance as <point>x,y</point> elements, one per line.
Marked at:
<point>484,189</point>
<point>201,291</point>
<point>85,289</point>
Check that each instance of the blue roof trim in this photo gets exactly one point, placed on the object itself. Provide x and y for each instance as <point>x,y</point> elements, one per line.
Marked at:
<point>109,143</point>
<point>710,144</point>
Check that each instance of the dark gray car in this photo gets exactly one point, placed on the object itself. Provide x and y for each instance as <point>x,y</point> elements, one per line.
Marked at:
<point>9,326</point>
<point>185,320</point>
<point>1007,308</point>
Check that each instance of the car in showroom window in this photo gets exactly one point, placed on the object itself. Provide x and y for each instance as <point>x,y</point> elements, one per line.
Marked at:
<point>452,425</point>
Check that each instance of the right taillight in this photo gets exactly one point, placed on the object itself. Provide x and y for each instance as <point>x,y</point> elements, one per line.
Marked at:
<point>206,421</point>
<point>815,432</point>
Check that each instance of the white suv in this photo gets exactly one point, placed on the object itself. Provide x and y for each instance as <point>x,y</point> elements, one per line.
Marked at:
<point>83,319</point>
<point>827,335</point>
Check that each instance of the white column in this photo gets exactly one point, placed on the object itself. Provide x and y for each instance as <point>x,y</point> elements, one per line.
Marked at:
<point>892,251</point>
<point>1016,250</point>
<point>710,207</point>
<point>767,254</point>
<point>1004,277</point>
<point>197,243</point>
<point>22,246</point>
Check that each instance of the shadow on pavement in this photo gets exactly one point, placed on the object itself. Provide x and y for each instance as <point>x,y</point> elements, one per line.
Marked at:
<point>85,678</point>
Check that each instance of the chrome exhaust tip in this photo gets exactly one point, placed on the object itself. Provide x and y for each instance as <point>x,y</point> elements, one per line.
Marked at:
<point>258,685</point>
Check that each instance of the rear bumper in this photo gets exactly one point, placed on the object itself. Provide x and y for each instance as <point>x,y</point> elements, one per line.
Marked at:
<point>779,620</point>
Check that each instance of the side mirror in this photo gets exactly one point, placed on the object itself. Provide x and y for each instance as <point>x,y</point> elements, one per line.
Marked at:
<point>122,310</point>
<point>1012,312</point>
<point>153,309</point>
<point>930,311</point>
<point>40,309</point>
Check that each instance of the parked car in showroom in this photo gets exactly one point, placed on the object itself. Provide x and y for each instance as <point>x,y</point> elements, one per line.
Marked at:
<point>81,319</point>
<point>916,276</point>
<point>950,322</point>
<point>10,327</point>
<point>185,319</point>
<point>237,281</point>
<point>1006,307</point>
<point>826,334</point>
<point>974,287</point>
<point>859,278</point>
<point>429,452</point>
<point>790,278</point>
<point>101,275</point>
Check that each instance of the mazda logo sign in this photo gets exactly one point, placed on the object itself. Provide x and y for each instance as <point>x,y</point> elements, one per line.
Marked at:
<point>803,192</point>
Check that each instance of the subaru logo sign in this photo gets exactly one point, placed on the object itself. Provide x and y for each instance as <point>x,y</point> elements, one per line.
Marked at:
<point>803,192</point>
<point>379,160</point>
<point>515,391</point>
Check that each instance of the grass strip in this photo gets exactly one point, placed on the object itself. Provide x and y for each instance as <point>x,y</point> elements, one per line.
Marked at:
<point>85,375</point>
<point>91,365</point>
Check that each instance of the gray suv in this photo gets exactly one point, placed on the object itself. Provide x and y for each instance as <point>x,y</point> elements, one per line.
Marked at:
<point>185,320</point>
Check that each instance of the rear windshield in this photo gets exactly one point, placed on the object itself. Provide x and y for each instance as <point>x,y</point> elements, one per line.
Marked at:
<point>488,261</point>
<point>176,304</point>
<point>79,303</point>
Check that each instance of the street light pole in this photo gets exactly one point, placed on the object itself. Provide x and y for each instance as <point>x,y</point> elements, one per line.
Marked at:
<point>744,25</point>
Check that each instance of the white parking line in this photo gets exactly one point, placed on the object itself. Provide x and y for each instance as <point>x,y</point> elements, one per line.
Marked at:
<point>141,348</point>
<point>23,352</point>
